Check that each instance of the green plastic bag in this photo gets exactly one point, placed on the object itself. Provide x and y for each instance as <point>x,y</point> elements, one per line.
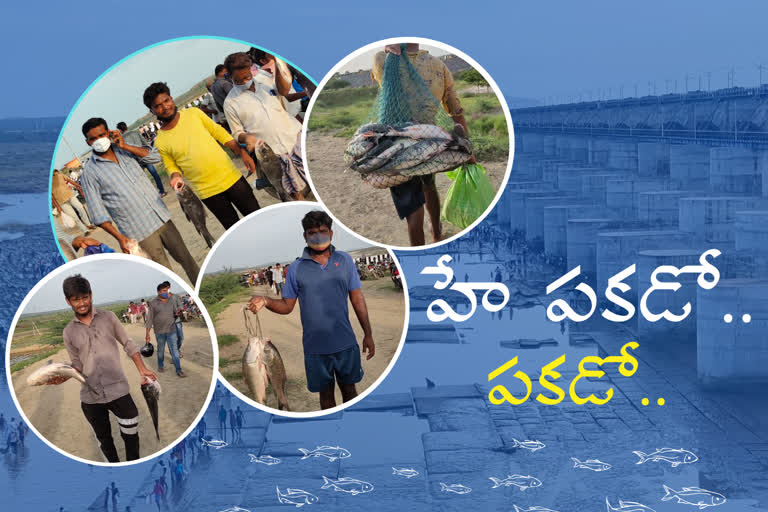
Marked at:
<point>469,196</point>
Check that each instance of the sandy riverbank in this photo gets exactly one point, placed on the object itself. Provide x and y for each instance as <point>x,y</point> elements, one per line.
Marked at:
<point>55,410</point>
<point>386,308</point>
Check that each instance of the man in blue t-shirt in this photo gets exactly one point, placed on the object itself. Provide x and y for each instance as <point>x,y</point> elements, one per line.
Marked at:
<point>321,280</point>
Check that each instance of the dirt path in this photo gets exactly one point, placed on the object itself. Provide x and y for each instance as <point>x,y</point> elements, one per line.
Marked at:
<point>195,243</point>
<point>386,309</point>
<point>55,410</point>
<point>366,210</point>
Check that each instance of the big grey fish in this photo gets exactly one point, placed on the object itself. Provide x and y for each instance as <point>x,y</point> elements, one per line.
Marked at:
<point>268,166</point>
<point>520,481</point>
<point>381,160</point>
<point>422,151</point>
<point>51,371</point>
<point>627,506</point>
<point>329,452</point>
<point>447,160</point>
<point>296,497</point>
<point>702,498</point>
<point>348,485</point>
<point>195,213</point>
<point>263,365</point>
<point>671,455</point>
<point>151,392</point>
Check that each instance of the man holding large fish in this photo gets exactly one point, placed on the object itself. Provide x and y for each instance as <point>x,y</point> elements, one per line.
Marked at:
<point>91,340</point>
<point>411,196</point>
<point>323,280</point>
<point>257,117</point>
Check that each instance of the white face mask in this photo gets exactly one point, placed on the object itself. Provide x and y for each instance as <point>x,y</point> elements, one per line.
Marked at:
<point>101,145</point>
<point>247,85</point>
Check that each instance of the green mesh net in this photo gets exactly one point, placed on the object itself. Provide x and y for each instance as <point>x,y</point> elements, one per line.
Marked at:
<point>407,133</point>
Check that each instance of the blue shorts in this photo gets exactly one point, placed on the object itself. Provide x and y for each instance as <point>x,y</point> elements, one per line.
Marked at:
<point>343,367</point>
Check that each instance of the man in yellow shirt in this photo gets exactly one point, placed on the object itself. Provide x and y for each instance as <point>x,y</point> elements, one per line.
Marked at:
<point>188,142</point>
<point>411,196</point>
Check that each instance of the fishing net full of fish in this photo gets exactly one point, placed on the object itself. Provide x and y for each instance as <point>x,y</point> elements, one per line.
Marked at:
<point>407,133</point>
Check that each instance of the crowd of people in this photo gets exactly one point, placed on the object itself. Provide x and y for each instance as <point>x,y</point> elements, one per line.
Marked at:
<point>272,277</point>
<point>253,100</point>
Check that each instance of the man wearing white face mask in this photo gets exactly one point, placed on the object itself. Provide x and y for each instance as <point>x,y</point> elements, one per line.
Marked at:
<point>122,200</point>
<point>255,116</point>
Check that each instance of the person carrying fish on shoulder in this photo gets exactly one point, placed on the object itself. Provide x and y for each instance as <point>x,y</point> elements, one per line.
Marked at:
<point>92,338</point>
<point>256,117</point>
<point>161,316</point>
<point>188,143</point>
<point>124,203</point>
<point>324,280</point>
<point>411,197</point>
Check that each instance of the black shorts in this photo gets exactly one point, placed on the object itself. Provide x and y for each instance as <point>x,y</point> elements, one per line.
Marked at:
<point>409,196</point>
<point>344,367</point>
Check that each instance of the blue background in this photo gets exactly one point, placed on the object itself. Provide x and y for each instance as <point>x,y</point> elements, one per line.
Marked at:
<point>539,54</point>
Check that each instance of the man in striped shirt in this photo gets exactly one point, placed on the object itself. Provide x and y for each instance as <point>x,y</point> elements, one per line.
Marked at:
<point>123,202</point>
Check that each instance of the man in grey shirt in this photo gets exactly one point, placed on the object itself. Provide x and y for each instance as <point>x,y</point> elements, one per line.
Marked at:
<point>92,340</point>
<point>135,139</point>
<point>161,315</point>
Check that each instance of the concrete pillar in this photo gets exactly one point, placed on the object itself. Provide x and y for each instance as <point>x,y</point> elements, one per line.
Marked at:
<point>713,218</point>
<point>623,155</point>
<point>556,225</point>
<point>735,353</point>
<point>594,186</point>
<point>534,213</point>
<point>660,208</point>
<point>652,159</point>
<point>569,177</point>
<point>532,143</point>
<point>658,301</point>
<point>617,250</point>
<point>518,205</point>
<point>549,145</point>
<point>599,151</point>
<point>582,243</point>
<point>733,170</point>
<point>573,148</point>
<point>622,195</point>
<point>752,230</point>
<point>689,166</point>
<point>549,168</point>
<point>762,165</point>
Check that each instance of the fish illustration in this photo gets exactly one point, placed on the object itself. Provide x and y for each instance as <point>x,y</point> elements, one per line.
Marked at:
<point>330,452</point>
<point>528,444</point>
<point>627,506</point>
<point>214,443</point>
<point>351,486</point>
<point>591,464</point>
<point>671,455</point>
<point>296,497</point>
<point>455,488</point>
<point>702,498</point>
<point>151,391</point>
<point>264,459</point>
<point>235,508</point>
<point>533,509</point>
<point>406,472</point>
<point>523,482</point>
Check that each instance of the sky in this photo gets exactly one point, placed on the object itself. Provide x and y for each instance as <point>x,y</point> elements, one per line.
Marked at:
<point>270,237</point>
<point>111,281</point>
<point>532,49</point>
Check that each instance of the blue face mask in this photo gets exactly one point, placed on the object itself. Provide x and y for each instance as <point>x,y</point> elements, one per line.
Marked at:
<point>164,295</point>
<point>318,241</point>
